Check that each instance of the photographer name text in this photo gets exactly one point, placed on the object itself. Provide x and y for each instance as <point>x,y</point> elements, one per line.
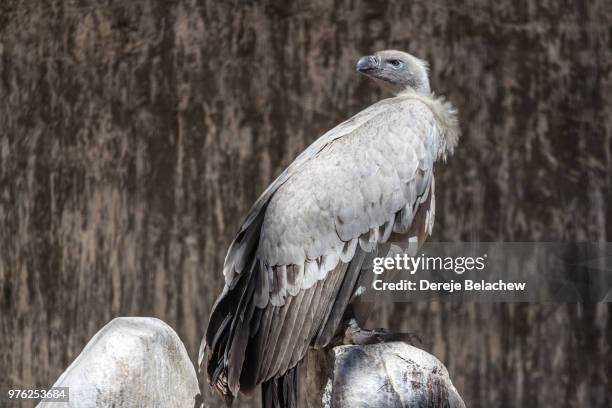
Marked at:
<point>411,265</point>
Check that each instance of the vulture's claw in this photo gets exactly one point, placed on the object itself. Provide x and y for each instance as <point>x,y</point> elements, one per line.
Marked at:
<point>355,335</point>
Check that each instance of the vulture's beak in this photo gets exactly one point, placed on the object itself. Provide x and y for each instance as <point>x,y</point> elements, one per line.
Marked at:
<point>368,64</point>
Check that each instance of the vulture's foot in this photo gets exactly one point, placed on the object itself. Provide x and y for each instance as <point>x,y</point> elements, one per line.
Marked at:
<point>355,335</point>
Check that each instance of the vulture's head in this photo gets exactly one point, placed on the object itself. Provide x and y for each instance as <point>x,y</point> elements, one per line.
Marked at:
<point>396,70</point>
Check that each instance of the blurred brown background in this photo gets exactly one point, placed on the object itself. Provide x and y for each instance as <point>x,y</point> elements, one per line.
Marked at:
<point>135,135</point>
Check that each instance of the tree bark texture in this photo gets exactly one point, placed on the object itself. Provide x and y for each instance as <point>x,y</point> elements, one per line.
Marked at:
<point>135,135</point>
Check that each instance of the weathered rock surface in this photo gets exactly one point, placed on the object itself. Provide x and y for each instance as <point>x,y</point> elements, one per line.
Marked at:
<point>131,362</point>
<point>383,375</point>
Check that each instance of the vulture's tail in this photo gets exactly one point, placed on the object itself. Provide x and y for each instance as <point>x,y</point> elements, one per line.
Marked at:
<point>227,337</point>
<point>234,318</point>
<point>281,392</point>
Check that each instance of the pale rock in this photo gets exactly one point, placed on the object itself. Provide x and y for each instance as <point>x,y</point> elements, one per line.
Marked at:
<point>131,362</point>
<point>385,375</point>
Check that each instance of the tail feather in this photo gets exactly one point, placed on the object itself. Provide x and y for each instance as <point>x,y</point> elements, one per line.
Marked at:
<point>234,318</point>
<point>281,392</point>
<point>228,329</point>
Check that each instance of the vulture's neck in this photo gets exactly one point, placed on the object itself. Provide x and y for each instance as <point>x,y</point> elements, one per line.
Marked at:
<point>446,120</point>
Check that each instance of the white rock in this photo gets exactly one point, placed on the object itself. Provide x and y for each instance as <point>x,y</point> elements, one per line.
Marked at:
<point>131,362</point>
<point>383,375</point>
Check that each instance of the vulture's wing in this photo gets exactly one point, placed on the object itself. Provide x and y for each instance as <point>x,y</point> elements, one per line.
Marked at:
<point>293,267</point>
<point>235,259</point>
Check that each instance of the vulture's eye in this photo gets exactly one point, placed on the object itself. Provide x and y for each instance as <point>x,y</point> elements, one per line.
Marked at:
<point>395,63</point>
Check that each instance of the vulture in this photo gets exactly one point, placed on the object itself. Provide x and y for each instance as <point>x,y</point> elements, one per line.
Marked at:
<point>294,267</point>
